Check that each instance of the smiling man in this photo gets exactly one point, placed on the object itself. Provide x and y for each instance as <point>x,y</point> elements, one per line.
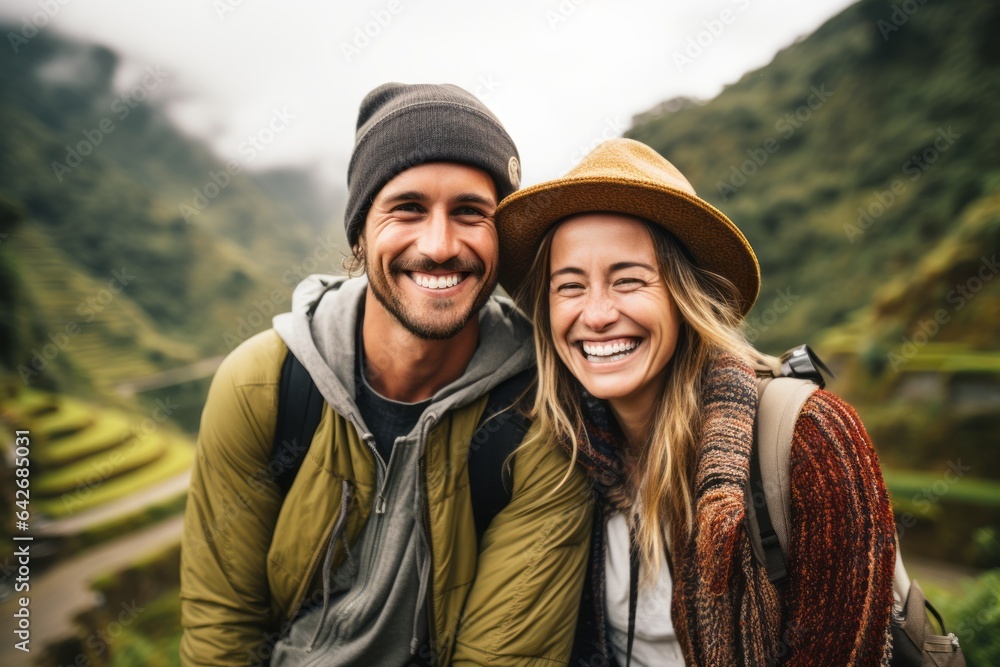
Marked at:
<point>393,534</point>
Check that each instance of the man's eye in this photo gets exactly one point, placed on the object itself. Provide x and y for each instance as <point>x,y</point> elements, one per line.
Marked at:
<point>408,208</point>
<point>466,211</point>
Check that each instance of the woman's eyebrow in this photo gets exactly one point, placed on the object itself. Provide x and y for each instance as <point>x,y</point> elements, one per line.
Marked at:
<point>619,266</point>
<point>568,269</point>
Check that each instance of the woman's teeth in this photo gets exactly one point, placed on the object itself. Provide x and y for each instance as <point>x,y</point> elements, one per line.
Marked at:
<point>599,353</point>
<point>438,282</point>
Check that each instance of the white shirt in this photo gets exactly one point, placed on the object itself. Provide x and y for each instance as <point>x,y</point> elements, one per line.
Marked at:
<point>654,641</point>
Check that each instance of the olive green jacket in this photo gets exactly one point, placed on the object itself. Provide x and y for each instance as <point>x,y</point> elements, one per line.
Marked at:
<point>250,557</point>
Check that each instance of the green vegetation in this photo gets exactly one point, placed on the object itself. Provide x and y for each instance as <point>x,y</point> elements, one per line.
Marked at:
<point>973,614</point>
<point>970,490</point>
<point>109,262</point>
<point>177,458</point>
<point>138,622</point>
<point>85,456</point>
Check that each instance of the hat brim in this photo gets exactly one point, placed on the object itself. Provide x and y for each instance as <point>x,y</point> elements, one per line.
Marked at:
<point>715,243</point>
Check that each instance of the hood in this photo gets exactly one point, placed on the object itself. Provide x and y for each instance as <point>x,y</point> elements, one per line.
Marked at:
<point>321,331</point>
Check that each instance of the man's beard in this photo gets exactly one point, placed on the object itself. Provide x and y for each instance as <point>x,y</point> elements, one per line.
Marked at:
<point>433,329</point>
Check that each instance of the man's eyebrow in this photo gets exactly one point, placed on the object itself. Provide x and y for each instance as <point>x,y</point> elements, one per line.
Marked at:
<point>406,195</point>
<point>473,198</point>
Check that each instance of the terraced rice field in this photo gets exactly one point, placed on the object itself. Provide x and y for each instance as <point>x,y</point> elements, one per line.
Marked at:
<point>85,456</point>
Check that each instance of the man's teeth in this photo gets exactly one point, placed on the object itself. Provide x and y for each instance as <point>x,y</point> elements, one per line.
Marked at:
<point>616,351</point>
<point>438,282</point>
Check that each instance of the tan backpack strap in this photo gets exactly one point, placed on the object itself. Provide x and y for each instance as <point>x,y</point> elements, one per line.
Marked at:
<point>781,400</point>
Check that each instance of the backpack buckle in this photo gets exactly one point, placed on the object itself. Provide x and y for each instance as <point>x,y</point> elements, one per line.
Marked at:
<point>801,362</point>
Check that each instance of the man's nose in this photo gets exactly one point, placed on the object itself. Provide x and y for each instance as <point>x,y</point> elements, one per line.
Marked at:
<point>439,240</point>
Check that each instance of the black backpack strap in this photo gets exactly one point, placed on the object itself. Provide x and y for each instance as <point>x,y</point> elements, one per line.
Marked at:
<point>774,557</point>
<point>501,429</point>
<point>633,589</point>
<point>300,406</point>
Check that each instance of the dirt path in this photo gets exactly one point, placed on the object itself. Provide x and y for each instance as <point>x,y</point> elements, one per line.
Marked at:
<point>195,371</point>
<point>63,591</point>
<point>135,502</point>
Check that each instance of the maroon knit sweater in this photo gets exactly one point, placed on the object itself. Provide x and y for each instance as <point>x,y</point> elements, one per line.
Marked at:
<point>837,607</point>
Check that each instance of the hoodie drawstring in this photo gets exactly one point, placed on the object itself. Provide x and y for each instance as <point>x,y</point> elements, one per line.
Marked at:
<point>423,549</point>
<point>338,530</point>
<point>423,567</point>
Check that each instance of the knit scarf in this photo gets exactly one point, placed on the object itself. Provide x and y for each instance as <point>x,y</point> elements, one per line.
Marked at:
<point>725,611</point>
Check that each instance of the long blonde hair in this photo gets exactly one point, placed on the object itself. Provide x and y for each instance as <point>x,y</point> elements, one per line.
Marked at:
<point>711,324</point>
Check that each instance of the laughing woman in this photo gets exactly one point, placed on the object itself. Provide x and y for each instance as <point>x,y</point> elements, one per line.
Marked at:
<point>638,290</point>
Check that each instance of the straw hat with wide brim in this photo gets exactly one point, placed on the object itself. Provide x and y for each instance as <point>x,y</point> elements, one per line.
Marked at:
<point>626,176</point>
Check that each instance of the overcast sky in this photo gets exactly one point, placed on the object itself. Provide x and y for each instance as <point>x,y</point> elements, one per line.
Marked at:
<point>560,74</point>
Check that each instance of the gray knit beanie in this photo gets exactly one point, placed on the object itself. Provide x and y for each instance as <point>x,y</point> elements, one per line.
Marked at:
<point>401,126</point>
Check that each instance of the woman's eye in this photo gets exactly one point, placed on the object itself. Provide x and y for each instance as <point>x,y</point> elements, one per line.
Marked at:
<point>568,288</point>
<point>628,283</point>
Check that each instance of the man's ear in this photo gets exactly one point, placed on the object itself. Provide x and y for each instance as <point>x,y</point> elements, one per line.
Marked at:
<point>355,264</point>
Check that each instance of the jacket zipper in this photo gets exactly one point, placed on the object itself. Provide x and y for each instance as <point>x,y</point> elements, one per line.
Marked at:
<point>314,561</point>
<point>381,473</point>
<point>311,570</point>
<point>382,478</point>
<point>431,623</point>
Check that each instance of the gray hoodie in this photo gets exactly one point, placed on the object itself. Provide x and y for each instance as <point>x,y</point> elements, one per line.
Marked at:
<point>374,605</point>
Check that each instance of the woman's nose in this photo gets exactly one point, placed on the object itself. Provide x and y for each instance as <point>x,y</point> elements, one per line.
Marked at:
<point>599,311</point>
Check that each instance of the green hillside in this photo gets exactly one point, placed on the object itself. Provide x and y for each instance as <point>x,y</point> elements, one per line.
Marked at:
<point>901,122</point>
<point>127,248</point>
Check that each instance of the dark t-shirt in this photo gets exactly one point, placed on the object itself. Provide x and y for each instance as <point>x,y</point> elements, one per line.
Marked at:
<point>386,418</point>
